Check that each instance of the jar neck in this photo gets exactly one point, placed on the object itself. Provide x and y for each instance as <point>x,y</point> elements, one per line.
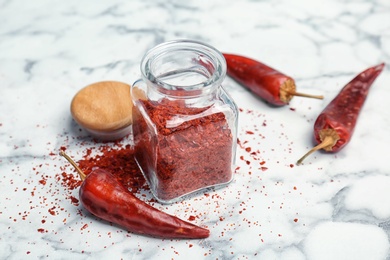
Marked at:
<point>183,70</point>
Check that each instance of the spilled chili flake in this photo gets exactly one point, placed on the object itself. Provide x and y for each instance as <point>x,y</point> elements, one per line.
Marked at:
<point>119,161</point>
<point>191,218</point>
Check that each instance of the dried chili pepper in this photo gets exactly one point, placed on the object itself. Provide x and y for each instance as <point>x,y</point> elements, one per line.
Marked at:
<point>269,84</point>
<point>105,197</point>
<point>334,127</point>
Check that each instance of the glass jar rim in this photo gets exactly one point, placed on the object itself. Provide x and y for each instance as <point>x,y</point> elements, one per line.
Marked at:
<point>198,89</point>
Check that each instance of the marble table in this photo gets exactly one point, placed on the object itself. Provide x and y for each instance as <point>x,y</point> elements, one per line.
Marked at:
<point>334,206</point>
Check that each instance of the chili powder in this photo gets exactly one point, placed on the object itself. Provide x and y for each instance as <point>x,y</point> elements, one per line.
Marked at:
<point>189,149</point>
<point>120,162</point>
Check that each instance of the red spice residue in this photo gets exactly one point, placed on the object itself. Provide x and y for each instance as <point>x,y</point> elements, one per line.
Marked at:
<point>191,218</point>
<point>70,181</point>
<point>84,227</point>
<point>120,162</point>
<point>52,211</point>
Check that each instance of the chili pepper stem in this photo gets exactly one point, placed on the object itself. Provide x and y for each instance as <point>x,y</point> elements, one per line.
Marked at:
<point>79,171</point>
<point>328,141</point>
<point>288,91</point>
<point>298,94</point>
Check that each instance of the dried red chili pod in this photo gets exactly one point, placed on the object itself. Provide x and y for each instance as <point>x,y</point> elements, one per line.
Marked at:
<point>105,197</point>
<point>269,84</point>
<point>334,127</point>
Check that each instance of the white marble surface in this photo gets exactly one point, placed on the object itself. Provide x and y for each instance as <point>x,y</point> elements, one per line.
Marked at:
<point>335,206</point>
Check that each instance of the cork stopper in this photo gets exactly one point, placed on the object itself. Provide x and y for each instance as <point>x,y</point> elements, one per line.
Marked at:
<point>104,109</point>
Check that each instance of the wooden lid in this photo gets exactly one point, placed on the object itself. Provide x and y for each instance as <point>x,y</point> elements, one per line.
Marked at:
<point>103,106</point>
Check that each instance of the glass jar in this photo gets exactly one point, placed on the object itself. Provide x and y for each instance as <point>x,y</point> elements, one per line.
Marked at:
<point>184,122</point>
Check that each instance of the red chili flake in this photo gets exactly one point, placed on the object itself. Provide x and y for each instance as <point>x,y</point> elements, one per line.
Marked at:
<point>84,227</point>
<point>250,133</point>
<point>43,182</point>
<point>295,220</point>
<point>28,252</point>
<point>191,218</point>
<point>70,181</point>
<point>51,211</point>
<point>74,200</point>
<point>262,162</point>
<point>291,165</point>
<point>239,143</point>
<point>264,168</point>
<point>41,230</point>
<point>292,109</point>
<point>120,162</point>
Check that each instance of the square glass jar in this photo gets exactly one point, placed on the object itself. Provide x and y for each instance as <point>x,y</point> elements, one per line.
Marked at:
<point>184,122</point>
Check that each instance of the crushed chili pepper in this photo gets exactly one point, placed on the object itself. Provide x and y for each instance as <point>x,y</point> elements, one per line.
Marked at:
<point>107,198</point>
<point>193,154</point>
<point>269,84</point>
<point>120,162</point>
<point>334,127</point>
